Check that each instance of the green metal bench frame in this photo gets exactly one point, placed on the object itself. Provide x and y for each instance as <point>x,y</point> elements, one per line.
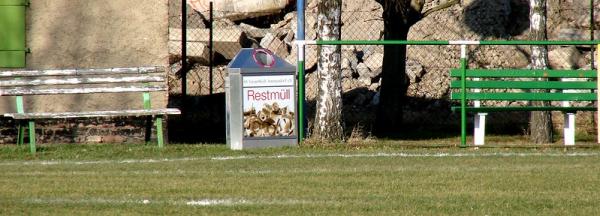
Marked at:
<point>480,85</point>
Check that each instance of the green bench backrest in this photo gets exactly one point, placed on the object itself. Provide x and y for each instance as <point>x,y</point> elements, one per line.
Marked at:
<point>494,84</point>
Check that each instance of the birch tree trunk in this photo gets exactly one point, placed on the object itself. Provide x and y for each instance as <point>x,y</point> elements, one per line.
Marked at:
<point>328,120</point>
<point>540,123</point>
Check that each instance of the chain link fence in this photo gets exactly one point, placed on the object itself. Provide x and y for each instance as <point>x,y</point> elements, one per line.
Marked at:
<point>426,66</point>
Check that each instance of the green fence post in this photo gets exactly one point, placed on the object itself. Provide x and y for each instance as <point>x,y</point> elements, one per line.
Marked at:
<point>463,96</point>
<point>598,97</point>
<point>301,90</point>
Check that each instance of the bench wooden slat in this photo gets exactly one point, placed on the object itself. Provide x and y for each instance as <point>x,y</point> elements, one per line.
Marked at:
<point>78,72</point>
<point>63,115</point>
<point>501,84</point>
<point>524,108</point>
<point>22,91</point>
<point>76,81</point>
<point>525,73</point>
<point>526,96</point>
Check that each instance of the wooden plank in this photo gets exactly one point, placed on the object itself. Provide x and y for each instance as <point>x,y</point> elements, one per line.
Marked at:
<point>91,114</point>
<point>527,96</point>
<point>524,73</point>
<point>506,84</point>
<point>54,91</point>
<point>84,80</point>
<point>79,72</point>
<point>526,108</point>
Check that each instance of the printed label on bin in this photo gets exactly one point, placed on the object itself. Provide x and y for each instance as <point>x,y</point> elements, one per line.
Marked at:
<point>268,104</point>
<point>265,81</point>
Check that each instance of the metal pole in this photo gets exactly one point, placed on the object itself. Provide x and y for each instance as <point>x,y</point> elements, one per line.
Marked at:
<point>184,64</point>
<point>301,100</point>
<point>592,29</point>
<point>463,96</point>
<point>598,98</point>
<point>210,48</point>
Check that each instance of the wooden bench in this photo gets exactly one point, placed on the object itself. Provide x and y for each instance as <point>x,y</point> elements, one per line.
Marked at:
<point>473,86</point>
<point>120,81</point>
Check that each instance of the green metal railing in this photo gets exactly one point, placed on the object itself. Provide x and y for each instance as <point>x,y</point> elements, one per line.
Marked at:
<point>465,42</point>
<point>463,64</point>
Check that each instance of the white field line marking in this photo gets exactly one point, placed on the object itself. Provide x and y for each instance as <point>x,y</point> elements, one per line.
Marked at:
<point>200,202</point>
<point>288,156</point>
<point>96,201</point>
<point>230,202</point>
<point>128,161</point>
<point>407,155</point>
<point>217,202</point>
<point>261,172</point>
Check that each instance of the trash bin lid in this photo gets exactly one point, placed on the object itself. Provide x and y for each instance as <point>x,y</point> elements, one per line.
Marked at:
<point>259,59</point>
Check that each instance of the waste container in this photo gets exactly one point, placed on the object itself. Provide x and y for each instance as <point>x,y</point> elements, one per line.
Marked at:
<point>260,94</point>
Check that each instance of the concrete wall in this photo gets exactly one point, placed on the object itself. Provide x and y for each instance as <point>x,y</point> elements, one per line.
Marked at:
<point>96,33</point>
<point>64,34</point>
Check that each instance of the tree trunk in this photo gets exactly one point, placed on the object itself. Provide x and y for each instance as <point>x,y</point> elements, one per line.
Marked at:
<point>540,123</point>
<point>394,82</point>
<point>328,120</point>
<point>398,16</point>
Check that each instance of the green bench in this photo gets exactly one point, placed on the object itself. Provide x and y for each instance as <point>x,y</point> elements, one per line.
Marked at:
<point>473,86</point>
<point>119,81</point>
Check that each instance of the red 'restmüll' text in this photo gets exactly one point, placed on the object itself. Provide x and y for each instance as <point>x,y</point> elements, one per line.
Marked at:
<point>256,95</point>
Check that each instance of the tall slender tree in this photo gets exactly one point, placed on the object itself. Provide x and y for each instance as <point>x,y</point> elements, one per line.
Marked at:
<point>328,121</point>
<point>540,123</point>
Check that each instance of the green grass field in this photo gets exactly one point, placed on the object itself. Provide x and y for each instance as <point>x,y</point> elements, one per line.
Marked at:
<point>368,179</point>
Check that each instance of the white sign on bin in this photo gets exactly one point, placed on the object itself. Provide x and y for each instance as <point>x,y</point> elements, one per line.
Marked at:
<point>268,104</point>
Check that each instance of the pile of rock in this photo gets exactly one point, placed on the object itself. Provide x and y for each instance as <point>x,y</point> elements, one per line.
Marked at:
<point>427,66</point>
<point>362,65</point>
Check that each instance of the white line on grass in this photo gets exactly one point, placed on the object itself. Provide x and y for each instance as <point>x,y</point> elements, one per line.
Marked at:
<point>199,202</point>
<point>218,202</point>
<point>128,161</point>
<point>231,202</point>
<point>406,155</point>
<point>288,156</point>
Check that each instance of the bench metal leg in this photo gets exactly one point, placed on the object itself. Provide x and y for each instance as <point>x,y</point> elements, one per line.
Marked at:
<point>479,133</point>
<point>32,137</point>
<point>159,132</point>
<point>20,133</point>
<point>569,129</point>
<point>148,128</point>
